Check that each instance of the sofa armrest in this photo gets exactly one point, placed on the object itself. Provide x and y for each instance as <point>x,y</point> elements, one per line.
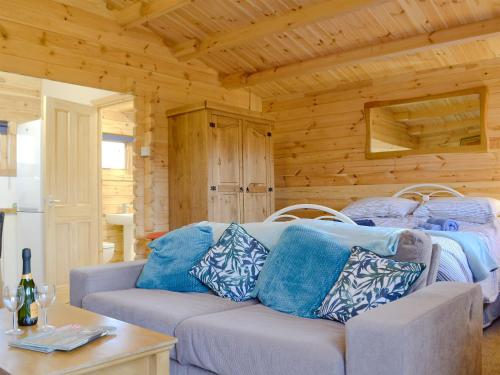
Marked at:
<point>436,330</point>
<point>106,277</point>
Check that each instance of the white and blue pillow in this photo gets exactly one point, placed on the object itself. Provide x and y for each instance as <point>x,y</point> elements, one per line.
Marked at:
<point>231,267</point>
<point>380,207</point>
<point>366,282</point>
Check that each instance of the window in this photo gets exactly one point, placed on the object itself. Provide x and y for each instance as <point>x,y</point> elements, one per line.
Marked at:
<point>115,150</point>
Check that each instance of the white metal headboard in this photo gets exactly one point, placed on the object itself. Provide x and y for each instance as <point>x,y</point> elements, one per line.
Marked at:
<point>426,191</point>
<point>332,214</point>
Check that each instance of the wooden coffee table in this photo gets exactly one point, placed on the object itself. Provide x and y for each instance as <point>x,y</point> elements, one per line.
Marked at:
<point>134,350</point>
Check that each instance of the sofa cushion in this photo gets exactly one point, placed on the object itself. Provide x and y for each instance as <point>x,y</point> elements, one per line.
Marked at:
<point>300,271</point>
<point>231,267</point>
<point>259,340</point>
<point>366,282</point>
<point>159,310</point>
<point>173,257</point>
<point>416,246</point>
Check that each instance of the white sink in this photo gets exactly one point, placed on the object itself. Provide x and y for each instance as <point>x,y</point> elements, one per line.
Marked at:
<point>127,220</point>
<point>120,219</point>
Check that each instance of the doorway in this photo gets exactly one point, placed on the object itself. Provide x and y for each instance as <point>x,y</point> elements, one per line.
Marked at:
<point>51,180</point>
<point>117,122</point>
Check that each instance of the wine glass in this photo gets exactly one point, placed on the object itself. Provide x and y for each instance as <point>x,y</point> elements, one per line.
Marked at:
<point>45,295</point>
<point>13,299</point>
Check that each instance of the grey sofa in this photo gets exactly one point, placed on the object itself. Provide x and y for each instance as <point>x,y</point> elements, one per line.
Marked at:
<point>434,330</point>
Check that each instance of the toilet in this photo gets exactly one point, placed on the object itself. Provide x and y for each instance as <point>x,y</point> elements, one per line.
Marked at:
<point>108,251</point>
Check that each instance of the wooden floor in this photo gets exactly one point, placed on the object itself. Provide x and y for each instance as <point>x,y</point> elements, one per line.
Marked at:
<point>491,350</point>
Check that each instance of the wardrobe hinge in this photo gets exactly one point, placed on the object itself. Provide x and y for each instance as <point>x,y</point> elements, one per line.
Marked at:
<point>213,188</point>
<point>212,124</point>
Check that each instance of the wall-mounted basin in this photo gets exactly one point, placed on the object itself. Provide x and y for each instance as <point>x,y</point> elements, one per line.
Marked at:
<point>120,219</point>
<point>127,221</point>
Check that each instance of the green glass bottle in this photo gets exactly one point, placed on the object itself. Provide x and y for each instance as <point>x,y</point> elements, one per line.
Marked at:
<point>28,313</point>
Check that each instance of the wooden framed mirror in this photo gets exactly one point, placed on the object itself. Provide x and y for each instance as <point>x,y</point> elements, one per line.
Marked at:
<point>453,122</point>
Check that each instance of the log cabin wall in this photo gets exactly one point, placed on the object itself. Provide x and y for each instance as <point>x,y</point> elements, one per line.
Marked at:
<point>60,42</point>
<point>320,141</point>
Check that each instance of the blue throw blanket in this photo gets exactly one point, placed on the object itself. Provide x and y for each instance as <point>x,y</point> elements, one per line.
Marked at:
<point>475,249</point>
<point>382,241</point>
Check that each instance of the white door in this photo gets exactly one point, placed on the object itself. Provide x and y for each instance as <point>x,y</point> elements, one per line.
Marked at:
<point>72,188</point>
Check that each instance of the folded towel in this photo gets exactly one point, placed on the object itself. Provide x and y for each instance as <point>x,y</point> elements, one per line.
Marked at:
<point>365,222</point>
<point>447,225</point>
<point>429,226</point>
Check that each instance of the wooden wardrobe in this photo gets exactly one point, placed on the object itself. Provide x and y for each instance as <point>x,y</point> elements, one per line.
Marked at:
<point>220,165</point>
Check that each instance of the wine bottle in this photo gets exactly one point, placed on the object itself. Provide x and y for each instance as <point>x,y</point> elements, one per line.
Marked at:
<point>28,313</point>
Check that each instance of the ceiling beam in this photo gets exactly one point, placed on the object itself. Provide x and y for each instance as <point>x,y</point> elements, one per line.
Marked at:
<point>270,25</point>
<point>141,12</point>
<point>438,39</point>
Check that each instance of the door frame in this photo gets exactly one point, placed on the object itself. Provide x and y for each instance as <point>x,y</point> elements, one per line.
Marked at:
<point>100,104</point>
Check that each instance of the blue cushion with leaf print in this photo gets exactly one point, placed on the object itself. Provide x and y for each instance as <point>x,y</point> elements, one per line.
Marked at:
<point>366,282</point>
<point>231,267</point>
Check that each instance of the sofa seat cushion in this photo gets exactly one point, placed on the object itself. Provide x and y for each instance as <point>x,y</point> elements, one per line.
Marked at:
<point>258,340</point>
<point>158,310</point>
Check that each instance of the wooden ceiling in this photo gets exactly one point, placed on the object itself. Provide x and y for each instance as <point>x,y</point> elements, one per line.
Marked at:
<point>284,47</point>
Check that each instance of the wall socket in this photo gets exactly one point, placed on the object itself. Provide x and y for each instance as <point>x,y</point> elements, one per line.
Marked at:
<point>145,151</point>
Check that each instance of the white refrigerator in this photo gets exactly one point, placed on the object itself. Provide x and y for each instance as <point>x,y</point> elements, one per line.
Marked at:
<point>30,201</point>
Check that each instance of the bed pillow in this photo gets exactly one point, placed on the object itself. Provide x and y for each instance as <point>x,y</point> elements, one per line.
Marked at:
<point>468,209</point>
<point>380,207</point>
<point>173,256</point>
<point>231,267</point>
<point>368,281</point>
<point>300,271</point>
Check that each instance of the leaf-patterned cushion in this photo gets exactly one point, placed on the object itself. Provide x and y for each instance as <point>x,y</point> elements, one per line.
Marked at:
<point>366,282</point>
<point>231,267</point>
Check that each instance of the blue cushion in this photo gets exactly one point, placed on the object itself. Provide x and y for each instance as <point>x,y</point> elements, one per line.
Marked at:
<point>300,271</point>
<point>172,258</point>
<point>366,282</point>
<point>231,267</point>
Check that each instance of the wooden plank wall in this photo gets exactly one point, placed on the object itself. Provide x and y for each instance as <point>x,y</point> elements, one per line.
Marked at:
<point>19,102</point>
<point>42,38</point>
<point>117,184</point>
<point>320,141</point>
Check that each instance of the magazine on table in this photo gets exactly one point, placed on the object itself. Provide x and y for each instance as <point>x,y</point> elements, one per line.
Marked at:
<point>65,338</point>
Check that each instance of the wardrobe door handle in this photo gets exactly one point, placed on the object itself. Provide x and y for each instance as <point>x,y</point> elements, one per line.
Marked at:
<point>241,189</point>
<point>248,190</point>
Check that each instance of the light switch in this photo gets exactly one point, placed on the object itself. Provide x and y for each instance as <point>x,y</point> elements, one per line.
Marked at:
<point>145,151</point>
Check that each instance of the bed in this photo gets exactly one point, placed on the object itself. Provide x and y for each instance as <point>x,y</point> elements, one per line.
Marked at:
<point>454,264</point>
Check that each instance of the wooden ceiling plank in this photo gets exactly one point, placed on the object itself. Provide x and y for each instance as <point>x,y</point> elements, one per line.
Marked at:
<point>139,13</point>
<point>270,25</point>
<point>444,128</point>
<point>442,38</point>
<point>446,109</point>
